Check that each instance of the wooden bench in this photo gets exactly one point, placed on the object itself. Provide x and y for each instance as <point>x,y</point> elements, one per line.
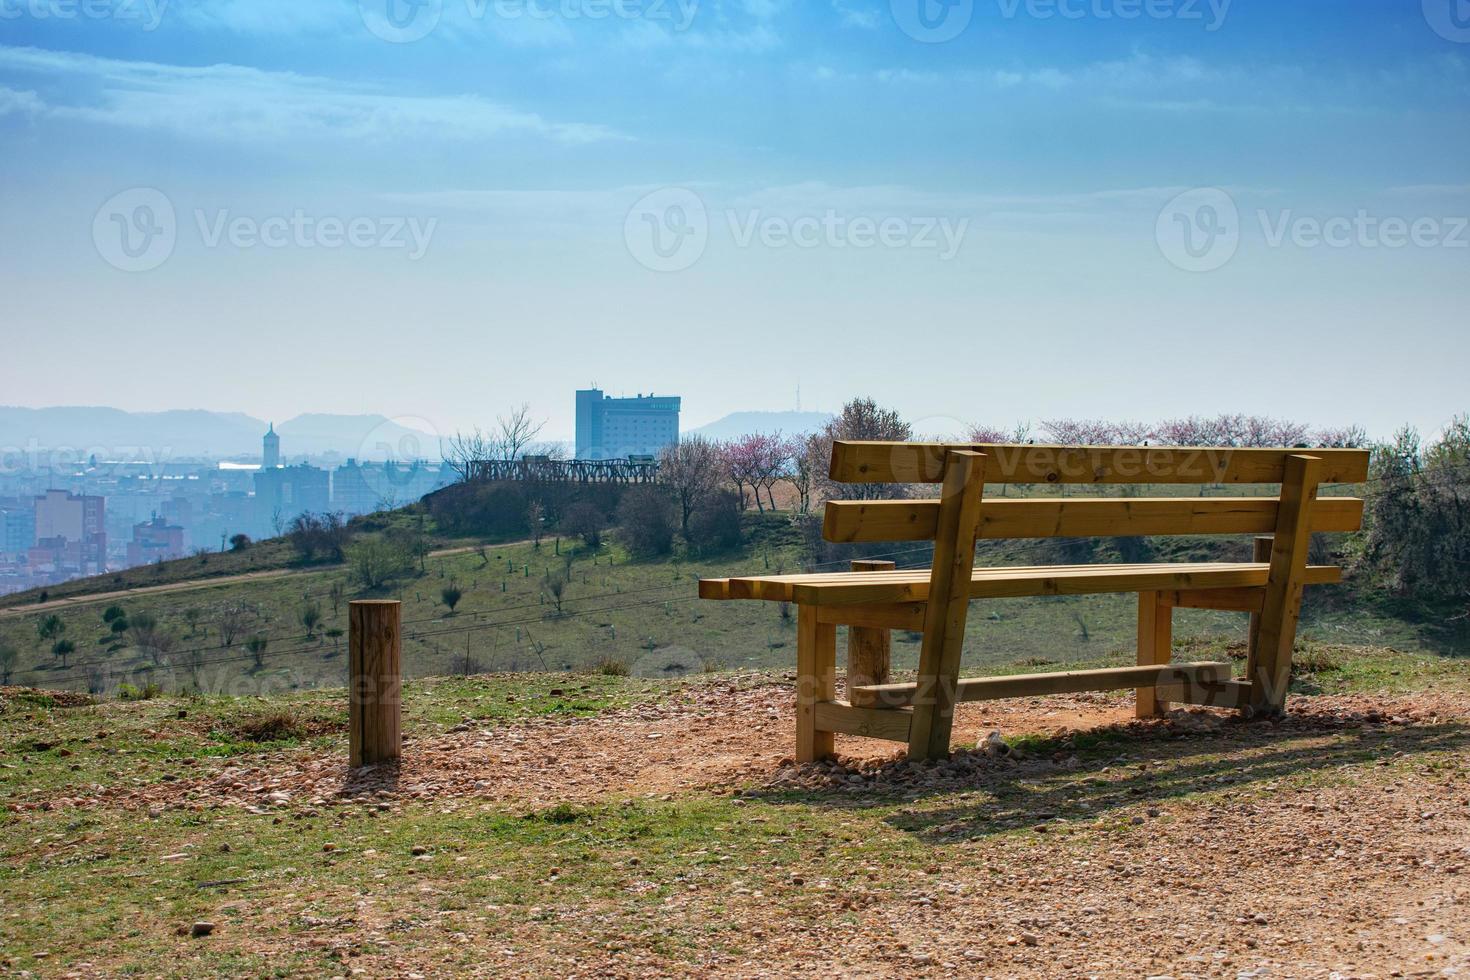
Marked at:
<point>875,597</point>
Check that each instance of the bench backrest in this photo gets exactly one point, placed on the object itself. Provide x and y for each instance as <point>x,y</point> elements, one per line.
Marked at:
<point>1045,517</point>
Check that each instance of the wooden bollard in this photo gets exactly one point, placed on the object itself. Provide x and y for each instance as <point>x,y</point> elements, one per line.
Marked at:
<point>1260,552</point>
<point>375,689</point>
<point>868,648</point>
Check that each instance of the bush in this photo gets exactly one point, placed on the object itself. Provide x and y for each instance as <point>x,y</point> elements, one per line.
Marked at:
<point>375,562</point>
<point>715,524</point>
<point>240,542</point>
<point>646,521</point>
<point>611,666</point>
<point>585,520</point>
<point>149,691</point>
<point>279,725</point>
<point>313,535</point>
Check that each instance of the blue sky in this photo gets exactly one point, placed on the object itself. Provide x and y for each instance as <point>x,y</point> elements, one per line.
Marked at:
<point>975,210</point>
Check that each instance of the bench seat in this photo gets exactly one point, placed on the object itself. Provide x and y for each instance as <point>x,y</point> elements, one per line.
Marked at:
<point>883,588</point>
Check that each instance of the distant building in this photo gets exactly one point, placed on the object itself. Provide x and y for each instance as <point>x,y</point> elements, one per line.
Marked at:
<point>72,528</point>
<point>270,449</point>
<point>285,492</point>
<point>17,527</point>
<point>613,428</point>
<point>155,540</point>
<point>363,488</point>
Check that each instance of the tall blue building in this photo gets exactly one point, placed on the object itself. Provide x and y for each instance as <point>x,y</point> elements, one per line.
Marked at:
<point>612,428</point>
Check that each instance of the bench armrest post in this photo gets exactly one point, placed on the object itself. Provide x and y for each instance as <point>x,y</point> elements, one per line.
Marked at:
<point>869,648</point>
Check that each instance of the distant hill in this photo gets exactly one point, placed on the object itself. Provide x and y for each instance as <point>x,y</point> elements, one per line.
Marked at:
<point>747,423</point>
<point>111,433</point>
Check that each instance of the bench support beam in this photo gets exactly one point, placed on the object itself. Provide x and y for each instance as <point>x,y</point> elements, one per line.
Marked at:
<point>869,648</point>
<point>1155,646</point>
<point>816,681</point>
<point>1271,675</point>
<point>949,603</point>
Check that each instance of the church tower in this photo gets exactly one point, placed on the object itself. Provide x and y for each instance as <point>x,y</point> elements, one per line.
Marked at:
<point>270,449</point>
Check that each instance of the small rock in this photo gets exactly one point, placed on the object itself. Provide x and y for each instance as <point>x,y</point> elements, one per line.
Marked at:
<point>199,929</point>
<point>419,849</point>
<point>1030,938</point>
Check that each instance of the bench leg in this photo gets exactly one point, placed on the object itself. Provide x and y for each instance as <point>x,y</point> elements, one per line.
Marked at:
<point>1155,646</point>
<point>1283,603</point>
<point>816,680</point>
<point>947,606</point>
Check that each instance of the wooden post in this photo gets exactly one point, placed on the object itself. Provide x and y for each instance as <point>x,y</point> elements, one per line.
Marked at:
<point>868,648</point>
<point>1284,585</point>
<point>375,692</point>
<point>1261,554</point>
<point>1155,646</point>
<point>816,681</point>
<point>948,605</point>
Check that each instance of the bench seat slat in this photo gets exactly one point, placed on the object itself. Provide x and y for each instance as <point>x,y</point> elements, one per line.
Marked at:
<point>879,588</point>
<point>1174,676</point>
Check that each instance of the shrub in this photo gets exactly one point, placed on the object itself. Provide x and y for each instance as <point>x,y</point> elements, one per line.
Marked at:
<point>149,691</point>
<point>375,562</point>
<point>715,524</point>
<point>646,521</point>
<point>585,520</point>
<point>451,594</point>
<point>612,666</point>
<point>277,725</point>
<point>313,535</point>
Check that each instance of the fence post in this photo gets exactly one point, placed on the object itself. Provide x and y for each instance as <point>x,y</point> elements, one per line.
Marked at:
<point>375,692</point>
<point>868,648</point>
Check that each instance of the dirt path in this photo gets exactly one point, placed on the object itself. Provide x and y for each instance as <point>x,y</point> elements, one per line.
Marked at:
<point>191,585</point>
<point>1205,847</point>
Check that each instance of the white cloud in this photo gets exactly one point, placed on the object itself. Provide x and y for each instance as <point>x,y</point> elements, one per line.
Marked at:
<point>16,101</point>
<point>239,103</point>
<point>852,15</point>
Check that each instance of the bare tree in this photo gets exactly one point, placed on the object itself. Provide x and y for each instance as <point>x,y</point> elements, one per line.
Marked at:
<point>232,619</point>
<point>515,433</point>
<point>691,468</point>
<point>802,467</point>
<point>466,449</point>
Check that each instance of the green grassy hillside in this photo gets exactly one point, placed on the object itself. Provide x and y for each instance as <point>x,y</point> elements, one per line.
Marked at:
<point>615,612</point>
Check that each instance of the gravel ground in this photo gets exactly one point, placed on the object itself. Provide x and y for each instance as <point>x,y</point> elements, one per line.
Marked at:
<point>1195,846</point>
